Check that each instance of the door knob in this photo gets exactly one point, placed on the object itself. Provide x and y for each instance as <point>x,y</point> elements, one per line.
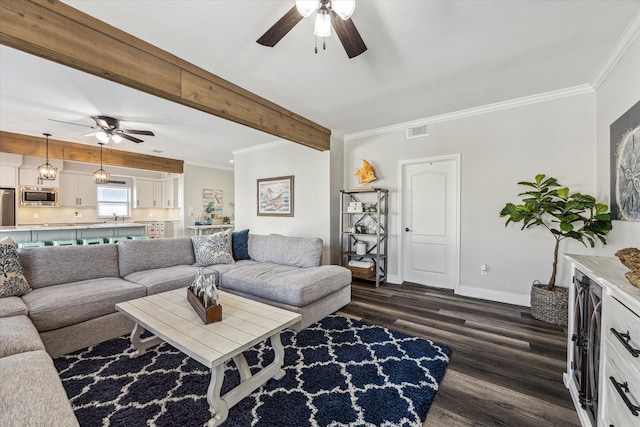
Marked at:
<point>407,229</point>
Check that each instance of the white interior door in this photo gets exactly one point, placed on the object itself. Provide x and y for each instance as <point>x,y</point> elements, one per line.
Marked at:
<point>430,222</point>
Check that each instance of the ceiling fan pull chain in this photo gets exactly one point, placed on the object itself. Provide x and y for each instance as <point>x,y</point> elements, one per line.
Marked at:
<point>316,45</point>
<point>324,43</point>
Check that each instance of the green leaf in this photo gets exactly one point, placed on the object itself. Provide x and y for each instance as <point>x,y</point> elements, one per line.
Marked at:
<point>566,227</point>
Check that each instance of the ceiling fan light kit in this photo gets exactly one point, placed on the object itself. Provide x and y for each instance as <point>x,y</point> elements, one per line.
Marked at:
<point>101,176</point>
<point>47,171</point>
<point>329,13</point>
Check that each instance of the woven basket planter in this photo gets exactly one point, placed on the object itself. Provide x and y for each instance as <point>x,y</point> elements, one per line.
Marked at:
<point>549,306</point>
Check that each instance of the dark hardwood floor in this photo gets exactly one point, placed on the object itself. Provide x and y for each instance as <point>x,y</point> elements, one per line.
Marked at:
<point>506,368</point>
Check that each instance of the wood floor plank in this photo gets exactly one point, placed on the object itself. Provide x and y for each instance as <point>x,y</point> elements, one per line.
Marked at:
<point>506,368</point>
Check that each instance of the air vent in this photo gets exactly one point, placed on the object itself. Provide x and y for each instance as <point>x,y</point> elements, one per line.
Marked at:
<point>418,131</point>
<point>113,181</point>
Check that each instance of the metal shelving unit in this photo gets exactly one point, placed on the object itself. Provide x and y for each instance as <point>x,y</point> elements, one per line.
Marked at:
<point>369,226</point>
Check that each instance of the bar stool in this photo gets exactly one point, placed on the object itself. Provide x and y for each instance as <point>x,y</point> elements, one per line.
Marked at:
<point>69,242</point>
<point>116,239</point>
<point>92,241</point>
<point>29,244</point>
<point>143,237</point>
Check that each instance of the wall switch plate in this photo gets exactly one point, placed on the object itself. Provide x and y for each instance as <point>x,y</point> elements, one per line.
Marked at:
<point>77,215</point>
<point>484,269</point>
<point>36,215</point>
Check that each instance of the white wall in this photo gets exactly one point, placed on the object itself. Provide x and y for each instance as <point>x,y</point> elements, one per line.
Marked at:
<point>497,149</point>
<point>196,179</point>
<point>619,92</point>
<point>311,171</point>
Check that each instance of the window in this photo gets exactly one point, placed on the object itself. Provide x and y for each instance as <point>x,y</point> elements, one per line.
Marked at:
<point>114,201</point>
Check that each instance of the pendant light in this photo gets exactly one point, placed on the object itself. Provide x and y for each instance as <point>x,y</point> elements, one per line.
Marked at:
<point>47,171</point>
<point>101,176</point>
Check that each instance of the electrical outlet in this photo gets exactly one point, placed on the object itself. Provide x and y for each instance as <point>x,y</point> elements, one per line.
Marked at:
<point>36,215</point>
<point>484,269</point>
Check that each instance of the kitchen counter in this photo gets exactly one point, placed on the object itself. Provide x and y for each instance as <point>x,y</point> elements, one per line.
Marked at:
<point>67,226</point>
<point>69,231</point>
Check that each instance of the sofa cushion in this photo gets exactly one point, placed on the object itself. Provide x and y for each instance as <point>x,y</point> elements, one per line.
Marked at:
<point>240,244</point>
<point>296,251</point>
<point>53,265</point>
<point>12,281</point>
<point>140,255</point>
<point>287,284</point>
<point>12,306</point>
<point>257,246</point>
<point>164,279</point>
<point>213,249</point>
<point>31,393</point>
<point>55,307</point>
<point>17,335</point>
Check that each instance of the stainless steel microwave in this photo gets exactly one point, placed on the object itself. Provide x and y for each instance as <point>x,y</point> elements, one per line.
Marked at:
<point>38,196</point>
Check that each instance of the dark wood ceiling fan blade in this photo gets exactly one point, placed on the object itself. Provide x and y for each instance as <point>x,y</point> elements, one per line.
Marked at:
<point>136,132</point>
<point>71,123</point>
<point>131,138</point>
<point>348,35</point>
<point>102,122</point>
<point>280,28</point>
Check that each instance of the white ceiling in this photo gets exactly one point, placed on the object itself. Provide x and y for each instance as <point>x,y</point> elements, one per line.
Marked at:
<point>425,58</point>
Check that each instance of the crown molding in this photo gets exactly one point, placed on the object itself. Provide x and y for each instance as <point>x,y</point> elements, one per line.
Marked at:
<point>623,43</point>
<point>504,105</point>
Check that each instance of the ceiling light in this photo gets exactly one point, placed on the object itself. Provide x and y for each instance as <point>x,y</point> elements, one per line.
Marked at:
<point>344,8</point>
<point>47,171</point>
<point>323,23</point>
<point>103,137</point>
<point>101,176</point>
<point>116,138</point>
<point>307,7</point>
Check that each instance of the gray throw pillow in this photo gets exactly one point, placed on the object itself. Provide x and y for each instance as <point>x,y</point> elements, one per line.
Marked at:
<point>12,281</point>
<point>213,249</point>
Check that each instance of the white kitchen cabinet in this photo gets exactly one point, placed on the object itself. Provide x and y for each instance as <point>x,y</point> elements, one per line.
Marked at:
<point>8,177</point>
<point>148,193</point>
<point>77,190</point>
<point>169,196</point>
<point>29,177</point>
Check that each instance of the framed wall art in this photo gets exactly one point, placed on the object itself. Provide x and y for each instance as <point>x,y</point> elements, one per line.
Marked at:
<point>625,166</point>
<point>275,196</point>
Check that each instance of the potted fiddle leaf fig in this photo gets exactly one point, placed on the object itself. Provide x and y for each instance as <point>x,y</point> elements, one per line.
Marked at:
<point>566,215</point>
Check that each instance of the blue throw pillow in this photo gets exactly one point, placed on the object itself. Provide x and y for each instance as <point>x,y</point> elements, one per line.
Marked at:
<point>239,244</point>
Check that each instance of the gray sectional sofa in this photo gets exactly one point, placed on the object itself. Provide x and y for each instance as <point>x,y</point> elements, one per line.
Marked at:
<point>75,289</point>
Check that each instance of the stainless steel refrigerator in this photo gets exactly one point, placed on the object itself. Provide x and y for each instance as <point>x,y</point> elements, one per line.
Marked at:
<point>7,206</point>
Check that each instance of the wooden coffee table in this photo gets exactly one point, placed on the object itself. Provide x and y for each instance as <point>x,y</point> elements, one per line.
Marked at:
<point>245,323</point>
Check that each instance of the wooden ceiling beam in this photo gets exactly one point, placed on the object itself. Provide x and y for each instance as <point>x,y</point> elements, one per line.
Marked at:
<point>55,31</point>
<point>27,145</point>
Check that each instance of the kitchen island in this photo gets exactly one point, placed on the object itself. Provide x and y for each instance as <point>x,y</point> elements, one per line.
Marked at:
<point>68,231</point>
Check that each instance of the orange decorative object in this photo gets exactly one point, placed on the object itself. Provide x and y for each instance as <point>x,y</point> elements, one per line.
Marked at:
<point>365,174</point>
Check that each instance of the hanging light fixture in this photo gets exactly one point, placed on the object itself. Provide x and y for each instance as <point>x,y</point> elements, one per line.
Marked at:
<point>323,8</point>
<point>101,176</point>
<point>47,171</point>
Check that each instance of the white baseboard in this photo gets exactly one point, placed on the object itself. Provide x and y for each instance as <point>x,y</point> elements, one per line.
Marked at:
<point>499,296</point>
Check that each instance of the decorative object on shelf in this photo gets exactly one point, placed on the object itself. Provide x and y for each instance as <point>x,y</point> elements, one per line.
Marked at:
<point>630,258</point>
<point>361,247</point>
<point>101,176</point>
<point>47,171</point>
<point>625,165</point>
<point>577,216</point>
<point>204,297</point>
<point>226,220</point>
<point>365,176</point>
<point>275,196</point>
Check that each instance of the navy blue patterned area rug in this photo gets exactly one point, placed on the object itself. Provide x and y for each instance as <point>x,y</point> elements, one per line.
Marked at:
<point>339,372</point>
